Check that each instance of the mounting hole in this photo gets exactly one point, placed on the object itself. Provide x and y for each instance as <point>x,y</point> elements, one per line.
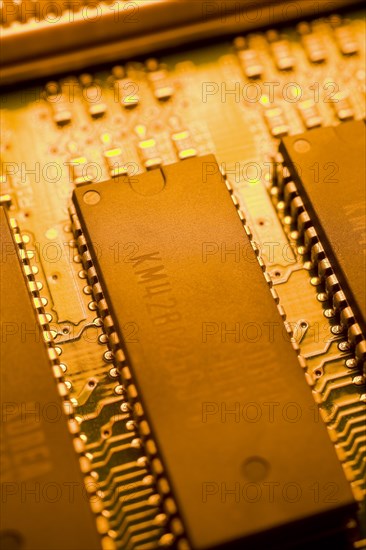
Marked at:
<point>302,146</point>
<point>91,197</point>
<point>255,468</point>
<point>11,540</point>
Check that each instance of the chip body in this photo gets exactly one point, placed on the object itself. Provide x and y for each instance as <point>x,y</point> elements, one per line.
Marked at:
<point>43,493</point>
<point>327,166</point>
<point>210,357</point>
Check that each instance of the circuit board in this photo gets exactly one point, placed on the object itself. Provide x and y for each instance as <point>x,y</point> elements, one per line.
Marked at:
<point>235,99</point>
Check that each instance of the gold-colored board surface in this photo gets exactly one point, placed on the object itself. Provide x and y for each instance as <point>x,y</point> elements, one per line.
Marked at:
<point>215,103</point>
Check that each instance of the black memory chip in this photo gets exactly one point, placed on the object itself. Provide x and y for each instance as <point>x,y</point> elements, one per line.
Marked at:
<point>44,504</point>
<point>328,168</point>
<point>226,400</point>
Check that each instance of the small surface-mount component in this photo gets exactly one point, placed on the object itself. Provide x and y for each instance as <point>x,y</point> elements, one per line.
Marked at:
<point>59,103</point>
<point>115,161</point>
<point>276,121</point>
<point>249,59</point>
<point>93,95</point>
<point>125,90</point>
<point>44,504</point>
<point>281,51</point>
<point>159,80</point>
<point>114,156</point>
<point>346,40</point>
<point>184,144</point>
<point>309,113</point>
<point>313,44</point>
<point>78,170</point>
<point>5,200</point>
<point>327,168</point>
<point>342,106</point>
<point>149,153</point>
<point>193,364</point>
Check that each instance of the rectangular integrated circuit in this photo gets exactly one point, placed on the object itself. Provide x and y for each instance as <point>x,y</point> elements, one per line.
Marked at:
<point>43,499</point>
<point>224,398</point>
<point>327,166</point>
